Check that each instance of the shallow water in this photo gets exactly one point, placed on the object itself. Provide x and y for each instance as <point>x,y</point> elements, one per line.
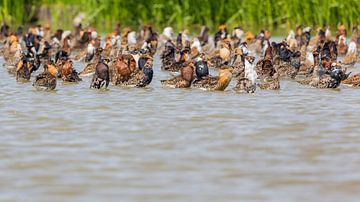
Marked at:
<point>161,144</point>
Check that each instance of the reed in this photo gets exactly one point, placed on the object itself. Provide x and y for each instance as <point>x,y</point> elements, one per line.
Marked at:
<point>278,15</point>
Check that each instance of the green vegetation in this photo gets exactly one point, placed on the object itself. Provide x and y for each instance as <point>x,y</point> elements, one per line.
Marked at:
<point>251,14</point>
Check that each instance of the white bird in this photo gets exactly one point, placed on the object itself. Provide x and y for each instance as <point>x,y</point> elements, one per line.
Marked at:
<point>342,39</point>
<point>131,38</point>
<point>250,72</point>
<point>351,55</point>
<point>238,33</point>
<point>90,52</point>
<point>310,58</point>
<point>168,32</point>
<point>248,83</point>
<point>307,29</point>
<point>244,49</point>
<point>65,34</point>
<point>94,34</point>
<point>196,44</point>
<point>291,35</point>
<point>352,48</point>
<point>78,19</point>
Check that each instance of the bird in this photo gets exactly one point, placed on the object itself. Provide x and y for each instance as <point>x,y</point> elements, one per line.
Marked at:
<point>330,80</point>
<point>23,69</point>
<point>123,69</point>
<point>47,79</point>
<point>68,73</point>
<point>217,83</point>
<point>185,78</point>
<point>248,83</point>
<point>90,67</point>
<point>270,83</point>
<point>351,55</point>
<point>147,74</point>
<point>101,77</point>
<point>168,55</point>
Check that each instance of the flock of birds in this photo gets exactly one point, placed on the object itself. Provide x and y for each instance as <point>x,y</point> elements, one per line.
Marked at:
<point>125,57</point>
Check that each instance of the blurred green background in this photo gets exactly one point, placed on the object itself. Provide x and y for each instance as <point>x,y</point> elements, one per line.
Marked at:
<point>280,15</point>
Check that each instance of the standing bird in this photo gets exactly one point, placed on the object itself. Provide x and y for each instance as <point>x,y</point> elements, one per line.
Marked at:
<point>147,74</point>
<point>248,83</point>
<point>101,76</point>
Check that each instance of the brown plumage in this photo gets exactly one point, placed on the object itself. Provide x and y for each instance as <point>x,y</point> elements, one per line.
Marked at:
<point>215,82</point>
<point>264,68</point>
<point>122,69</point>
<point>47,79</point>
<point>270,83</point>
<point>352,80</point>
<point>349,59</point>
<point>108,47</point>
<point>66,46</point>
<point>68,73</point>
<point>220,55</point>
<point>185,78</point>
<point>23,70</point>
<point>12,50</point>
<point>90,67</point>
<point>287,68</point>
<point>342,46</point>
<point>225,50</point>
<point>245,85</point>
<point>138,78</point>
<point>176,66</point>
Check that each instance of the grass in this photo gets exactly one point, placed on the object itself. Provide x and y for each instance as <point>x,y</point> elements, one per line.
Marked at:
<point>280,15</point>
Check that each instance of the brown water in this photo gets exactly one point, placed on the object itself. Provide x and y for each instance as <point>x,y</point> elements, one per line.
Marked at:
<point>160,144</point>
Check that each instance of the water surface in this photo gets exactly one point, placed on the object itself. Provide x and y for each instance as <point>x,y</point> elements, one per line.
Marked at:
<point>160,144</point>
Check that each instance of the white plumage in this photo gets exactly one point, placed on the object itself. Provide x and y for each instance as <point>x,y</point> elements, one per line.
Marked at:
<point>250,72</point>
<point>342,38</point>
<point>310,58</point>
<point>238,33</point>
<point>131,37</point>
<point>196,44</point>
<point>352,48</point>
<point>168,32</point>
<point>94,34</point>
<point>90,49</point>
<point>290,36</point>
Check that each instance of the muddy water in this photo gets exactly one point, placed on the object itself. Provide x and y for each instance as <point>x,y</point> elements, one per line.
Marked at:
<point>160,144</point>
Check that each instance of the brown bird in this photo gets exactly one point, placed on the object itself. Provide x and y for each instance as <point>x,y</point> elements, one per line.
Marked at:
<point>47,79</point>
<point>23,70</point>
<point>122,69</point>
<point>68,73</point>
<point>270,83</point>
<point>215,82</point>
<point>185,78</point>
